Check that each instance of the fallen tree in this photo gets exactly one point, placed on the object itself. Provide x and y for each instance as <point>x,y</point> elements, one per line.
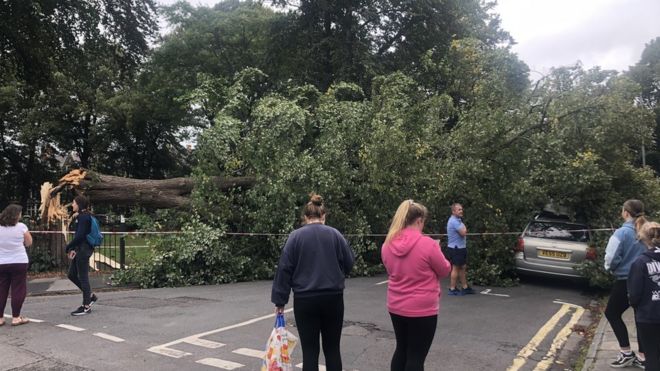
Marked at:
<point>159,194</point>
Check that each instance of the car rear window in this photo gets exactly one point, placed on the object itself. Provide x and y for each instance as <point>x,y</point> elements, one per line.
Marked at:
<point>558,231</point>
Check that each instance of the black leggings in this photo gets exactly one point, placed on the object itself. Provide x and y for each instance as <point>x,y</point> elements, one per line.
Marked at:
<point>79,271</point>
<point>414,336</point>
<point>320,315</point>
<point>616,305</point>
<point>649,335</point>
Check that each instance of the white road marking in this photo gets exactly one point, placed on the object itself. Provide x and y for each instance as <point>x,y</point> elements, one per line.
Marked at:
<point>30,318</point>
<point>72,328</point>
<point>487,292</point>
<point>108,337</point>
<point>204,343</point>
<point>382,283</point>
<point>165,349</point>
<point>559,340</point>
<point>321,367</point>
<point>250,352</point>
<point>220,363</point>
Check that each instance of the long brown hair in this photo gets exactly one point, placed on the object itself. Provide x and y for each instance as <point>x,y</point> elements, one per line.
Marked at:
<point>406,214</point>
<point>10,215</point>
<point>650,234</point>
<point>635,209</point>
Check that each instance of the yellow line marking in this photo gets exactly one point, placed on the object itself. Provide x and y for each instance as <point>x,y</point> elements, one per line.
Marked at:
<point>531,347</point>
<point>559,340</point>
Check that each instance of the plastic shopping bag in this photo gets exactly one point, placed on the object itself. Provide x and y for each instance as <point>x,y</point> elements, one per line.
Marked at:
<point>279,347</point>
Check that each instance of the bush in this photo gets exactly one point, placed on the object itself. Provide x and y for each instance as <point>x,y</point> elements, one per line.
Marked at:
<point>40,260</point>
<point>491,261</point>
<point>200,255</point>
<point>594,270</point>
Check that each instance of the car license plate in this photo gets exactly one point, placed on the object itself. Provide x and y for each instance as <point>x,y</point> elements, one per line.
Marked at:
<point>554,254</point>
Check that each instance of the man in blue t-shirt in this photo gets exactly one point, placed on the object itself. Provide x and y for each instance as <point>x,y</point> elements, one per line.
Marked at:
<point>457,251</point>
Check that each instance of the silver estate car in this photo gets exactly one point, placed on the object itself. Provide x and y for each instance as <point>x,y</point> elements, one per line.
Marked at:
<point>553,247</point>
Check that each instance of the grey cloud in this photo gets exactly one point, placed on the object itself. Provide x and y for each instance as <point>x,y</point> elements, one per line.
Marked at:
<point>622,28</point>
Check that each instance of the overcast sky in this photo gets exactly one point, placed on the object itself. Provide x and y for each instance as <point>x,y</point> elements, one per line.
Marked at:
<point>551,33</point>
<point>606,33</point>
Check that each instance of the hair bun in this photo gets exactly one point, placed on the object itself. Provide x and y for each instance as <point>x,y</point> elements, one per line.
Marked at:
<point>316,199</point>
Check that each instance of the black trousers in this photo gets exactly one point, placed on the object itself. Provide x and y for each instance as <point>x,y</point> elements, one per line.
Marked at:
<point>649,335</point>
<point>79,271</point>
<point>320,316</point>
<point>414,336</point>
<point>616,305</point>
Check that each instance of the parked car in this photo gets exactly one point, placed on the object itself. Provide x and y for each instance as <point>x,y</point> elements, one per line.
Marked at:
<point>553,247</point>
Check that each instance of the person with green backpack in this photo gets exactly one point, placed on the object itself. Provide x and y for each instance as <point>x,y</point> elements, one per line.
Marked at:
<point>80,249</point>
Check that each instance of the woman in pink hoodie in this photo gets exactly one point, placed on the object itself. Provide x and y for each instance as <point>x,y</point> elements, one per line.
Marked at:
<point>414,265</point>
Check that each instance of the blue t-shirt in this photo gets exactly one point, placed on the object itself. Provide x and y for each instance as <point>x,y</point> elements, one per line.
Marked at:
<point>455,239</point>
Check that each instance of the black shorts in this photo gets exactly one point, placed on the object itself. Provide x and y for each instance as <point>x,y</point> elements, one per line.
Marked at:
<point>457,257</point>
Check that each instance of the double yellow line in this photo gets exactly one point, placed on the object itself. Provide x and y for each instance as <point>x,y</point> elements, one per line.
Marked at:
<point>543,332</point>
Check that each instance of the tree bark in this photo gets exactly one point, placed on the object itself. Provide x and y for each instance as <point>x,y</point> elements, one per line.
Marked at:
<point>159,194</point>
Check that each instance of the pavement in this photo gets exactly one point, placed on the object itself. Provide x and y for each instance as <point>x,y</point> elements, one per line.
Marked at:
<point>604,347</point>
<point>61,285</point>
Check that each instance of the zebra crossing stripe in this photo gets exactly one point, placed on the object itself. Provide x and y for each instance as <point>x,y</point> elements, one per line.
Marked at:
<point>204,343</point>
<point>220,363</point>
<point>250,352</point>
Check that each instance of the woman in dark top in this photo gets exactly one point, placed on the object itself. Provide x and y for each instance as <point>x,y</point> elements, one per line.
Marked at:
<point>79,251</point>
<point>315,260</point>
<point>644,294</point>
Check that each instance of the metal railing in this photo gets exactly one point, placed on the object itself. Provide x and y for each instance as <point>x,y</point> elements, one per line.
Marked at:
<point>48,251</point>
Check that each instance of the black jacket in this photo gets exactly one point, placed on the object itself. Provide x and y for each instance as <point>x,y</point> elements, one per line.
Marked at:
<point>83,227</point>
<point>315,260</point>
<point>644,287</point>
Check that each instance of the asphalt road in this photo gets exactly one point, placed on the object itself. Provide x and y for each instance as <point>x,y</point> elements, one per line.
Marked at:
<point>210,327</point>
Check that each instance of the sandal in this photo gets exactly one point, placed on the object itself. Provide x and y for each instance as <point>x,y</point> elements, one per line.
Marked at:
<point>21,321</point>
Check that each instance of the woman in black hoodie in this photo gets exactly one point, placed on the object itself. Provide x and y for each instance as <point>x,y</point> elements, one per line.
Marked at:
<point>644,294</point>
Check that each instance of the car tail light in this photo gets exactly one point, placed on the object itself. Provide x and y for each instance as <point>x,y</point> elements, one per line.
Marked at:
<point>592,254</point>
<point>520,245</point>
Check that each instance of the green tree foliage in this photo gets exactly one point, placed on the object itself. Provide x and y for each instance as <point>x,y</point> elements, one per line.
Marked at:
<point>366,102</point>
<point>647,74</point>
<point>333,41</point>
<point>59,59</point>
<point>571,141</point>
<point>39,37</point>
<point>373,102</point>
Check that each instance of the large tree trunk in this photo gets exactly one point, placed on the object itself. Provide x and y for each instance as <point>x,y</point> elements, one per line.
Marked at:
<point>159,194</point>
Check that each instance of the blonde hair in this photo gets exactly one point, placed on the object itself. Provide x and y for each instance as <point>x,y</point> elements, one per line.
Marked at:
<point>406,214</point>
<point>314,208</point>
<point>635,209</point>
<point>650,234</point>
